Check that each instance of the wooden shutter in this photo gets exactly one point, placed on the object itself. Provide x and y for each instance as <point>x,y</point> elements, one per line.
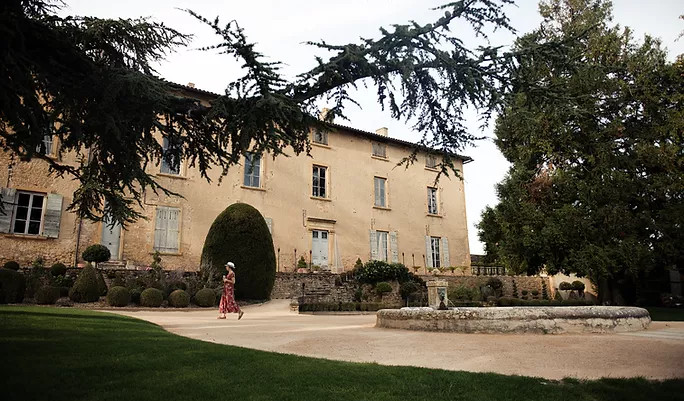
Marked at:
<point>269,223</point>
<point>373,245</point>
<point>393,247</point>
<point>8,195</point>
<point>172,229</point>
<point>53,215</point>
<point>376,182</point>
<point>428,251</point>
<point>445,252</point>
<point>160,228</point>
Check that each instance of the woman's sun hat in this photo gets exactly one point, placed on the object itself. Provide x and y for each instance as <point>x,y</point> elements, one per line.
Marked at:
<point>231,265</point>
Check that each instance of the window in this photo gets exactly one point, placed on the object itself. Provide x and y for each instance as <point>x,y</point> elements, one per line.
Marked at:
<point>319,178</point>
<point>432,200</point>
<point>170,162</point>
<point>252,170</point>
<point>166,229</point>
<point>45,147</point>
<point>431,161</point>
<point>379,149</point>
<point>380,185</point>
<point>321,137</point>
<point>381,237</point>
<point>434,248</point>
<point>28,216</point>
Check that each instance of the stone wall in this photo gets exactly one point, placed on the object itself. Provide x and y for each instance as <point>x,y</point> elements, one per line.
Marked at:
<point>315,287</point>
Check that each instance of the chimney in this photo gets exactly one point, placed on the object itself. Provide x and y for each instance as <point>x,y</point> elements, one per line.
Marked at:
<point>191,84</point>
<point>324,113</point>
<point>382,131</point>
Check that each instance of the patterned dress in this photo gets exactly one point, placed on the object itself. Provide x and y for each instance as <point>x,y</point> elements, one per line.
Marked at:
<point>228,304</point>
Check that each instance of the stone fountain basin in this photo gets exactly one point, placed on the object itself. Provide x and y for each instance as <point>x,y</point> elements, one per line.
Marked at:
<point>523,319</point>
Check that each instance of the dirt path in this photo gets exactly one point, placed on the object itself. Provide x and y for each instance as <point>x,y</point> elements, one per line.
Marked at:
<point>656,353</point>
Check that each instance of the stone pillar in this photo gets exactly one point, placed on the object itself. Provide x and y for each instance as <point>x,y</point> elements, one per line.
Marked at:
<point>437,292</point>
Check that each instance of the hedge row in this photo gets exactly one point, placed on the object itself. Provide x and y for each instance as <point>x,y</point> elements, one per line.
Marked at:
<point>341,307</point>
<point>508,301</point>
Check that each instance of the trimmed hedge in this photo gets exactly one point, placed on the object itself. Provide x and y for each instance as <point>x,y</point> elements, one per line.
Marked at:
<point>47,295</point>
<point>376,271</point>
<point>135,295</point>
<point>577,285</point>
<point>12,286</point>
<point>58,269</point>
<point>240,235</point>
<point>206,297</point>
<point>101,284</point>
<point>85,288</point>
<point>12,265</point>
<point>508,301</point>
<point>151,297</point>
<point>179,299</point>
<point>118,296</point>
<point>341,307</point>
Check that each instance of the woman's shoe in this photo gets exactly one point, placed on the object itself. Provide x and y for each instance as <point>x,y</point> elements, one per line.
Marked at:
<point>240,315</point>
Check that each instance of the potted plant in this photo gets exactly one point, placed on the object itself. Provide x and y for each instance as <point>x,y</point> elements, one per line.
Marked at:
<point>452,269</point>
<point>302,266</point>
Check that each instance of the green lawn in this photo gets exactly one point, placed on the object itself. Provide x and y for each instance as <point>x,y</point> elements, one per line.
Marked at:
<point>666,314</point>
<point>70,354</point>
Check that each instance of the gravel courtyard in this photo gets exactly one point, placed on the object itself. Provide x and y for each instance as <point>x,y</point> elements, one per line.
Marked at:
<point>656,353</point>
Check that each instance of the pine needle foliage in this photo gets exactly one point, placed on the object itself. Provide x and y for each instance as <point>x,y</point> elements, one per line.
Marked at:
<point>90,82</point>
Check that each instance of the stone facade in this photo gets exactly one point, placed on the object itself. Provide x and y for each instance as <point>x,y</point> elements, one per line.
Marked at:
<point>347,212</point>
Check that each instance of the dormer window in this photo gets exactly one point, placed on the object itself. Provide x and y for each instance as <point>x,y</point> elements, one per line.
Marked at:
<point>379,150</point>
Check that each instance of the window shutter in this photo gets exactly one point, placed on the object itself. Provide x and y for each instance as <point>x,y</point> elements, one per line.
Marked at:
<point>373,245</point>
<point>53,215</point>
<point>381,184</point>
<point>445,252</point>
<point>160,229</point>
<point>172,230</point>
<point>269,223</point>
<point>8,195</point>
<point>428,251</point>
<point>393,247</point>
<point>377,191</point>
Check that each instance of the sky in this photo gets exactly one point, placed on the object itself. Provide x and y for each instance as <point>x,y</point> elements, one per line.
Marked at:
<point>281,28</point>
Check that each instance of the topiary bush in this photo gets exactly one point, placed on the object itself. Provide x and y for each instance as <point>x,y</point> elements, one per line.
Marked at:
<point>301,263</point>
<point>383,287</point>
<point>240,235</point>
<point>151,297</point>
<point>47,295</point>
<point>408,288</point>
<point>179,299</point>
<point>96,254</point>
<point>577,285</point>
<point>173,286</point>
<point>565,286</point>
<point>101,284</point>
<point>58,269</point>
<point>12,286</point>
<point>12,265</point>
<point>85,288</point>
<point>118,296</point>
<point>135,295</point>
<point>205,297</point>
<point>358,264</point>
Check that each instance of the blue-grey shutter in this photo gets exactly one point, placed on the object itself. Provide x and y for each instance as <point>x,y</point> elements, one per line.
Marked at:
<point>53,215</point>
<point>445,252</point>
<point>269,223</point>
<point>428,251</point>
<point>8,195</point>
<point>373,245</point>
<point>393,247</point>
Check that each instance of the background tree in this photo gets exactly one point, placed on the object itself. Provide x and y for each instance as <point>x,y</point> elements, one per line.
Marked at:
<point>597,181</point>
<point>91,83</point>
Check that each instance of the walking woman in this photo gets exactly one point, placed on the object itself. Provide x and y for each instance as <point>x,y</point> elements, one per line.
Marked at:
<point>228,304</point>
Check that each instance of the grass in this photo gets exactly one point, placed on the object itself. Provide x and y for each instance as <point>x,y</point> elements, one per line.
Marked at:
<point>666,314</point>
<point>71,354</point>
